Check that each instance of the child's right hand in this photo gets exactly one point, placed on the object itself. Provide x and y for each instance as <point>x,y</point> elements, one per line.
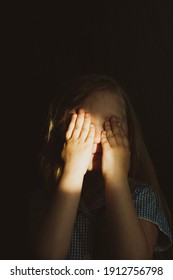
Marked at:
<point>77,150</point>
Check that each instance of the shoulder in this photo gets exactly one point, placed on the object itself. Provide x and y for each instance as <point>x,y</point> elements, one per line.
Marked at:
<point>150,208</point>
<point>143,192</point>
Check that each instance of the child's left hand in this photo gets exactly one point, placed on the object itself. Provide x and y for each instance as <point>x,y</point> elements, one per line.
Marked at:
<point>115,151</point>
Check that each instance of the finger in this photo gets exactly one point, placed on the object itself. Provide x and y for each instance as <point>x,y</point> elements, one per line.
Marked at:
<point>116,129</point>
<point>104,141</point>
<point>71,127</point>
<point>86,126</point>
<point>124,136</point>
<point>91,133</point>
<point>109,134</point>
<point>115,125</point>
<point>126,141</point>
<point>78,125</point>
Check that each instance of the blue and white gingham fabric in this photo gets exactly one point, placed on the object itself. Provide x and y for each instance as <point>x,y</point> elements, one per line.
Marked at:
<point>149,207</point>
<point>89,237</point>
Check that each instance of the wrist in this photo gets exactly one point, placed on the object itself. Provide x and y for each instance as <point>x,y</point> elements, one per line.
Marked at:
<point>71,180</point>
<point>72,171</point>
<point>116,181</point>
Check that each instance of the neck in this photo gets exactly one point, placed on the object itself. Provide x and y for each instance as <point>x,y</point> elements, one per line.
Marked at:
<point>93,180</point>
<point>92,185</point>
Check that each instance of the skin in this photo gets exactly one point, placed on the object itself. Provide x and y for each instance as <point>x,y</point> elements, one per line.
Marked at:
<point>97,144</point>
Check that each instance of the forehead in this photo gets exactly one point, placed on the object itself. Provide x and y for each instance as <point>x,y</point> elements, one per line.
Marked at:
<point>105,104</point>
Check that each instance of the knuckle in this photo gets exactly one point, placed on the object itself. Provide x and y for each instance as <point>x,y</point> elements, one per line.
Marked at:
<point>110,136</point>
<point>77,127</point>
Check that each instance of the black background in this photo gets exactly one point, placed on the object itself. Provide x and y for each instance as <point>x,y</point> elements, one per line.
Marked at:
<point>129,40</point>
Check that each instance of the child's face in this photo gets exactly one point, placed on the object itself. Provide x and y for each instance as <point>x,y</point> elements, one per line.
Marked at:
<point>102,106</point>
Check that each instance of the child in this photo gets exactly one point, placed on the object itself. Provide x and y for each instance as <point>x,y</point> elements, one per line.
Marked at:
<point>102,199</point>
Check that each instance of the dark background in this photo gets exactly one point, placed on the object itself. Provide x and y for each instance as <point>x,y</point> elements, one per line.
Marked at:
<point>129,40</point>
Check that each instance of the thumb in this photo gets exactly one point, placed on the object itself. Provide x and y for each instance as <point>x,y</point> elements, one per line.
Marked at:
<point>104,141</point>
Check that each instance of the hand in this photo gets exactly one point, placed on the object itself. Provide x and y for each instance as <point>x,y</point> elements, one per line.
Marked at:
<point>77,150</point>
<point>115,151</point>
